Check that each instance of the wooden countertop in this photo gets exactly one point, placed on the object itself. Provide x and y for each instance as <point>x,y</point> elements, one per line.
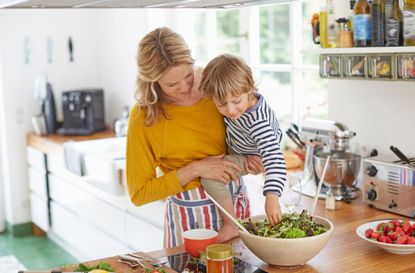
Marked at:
<point>50,144</point>
<point>345,252</point>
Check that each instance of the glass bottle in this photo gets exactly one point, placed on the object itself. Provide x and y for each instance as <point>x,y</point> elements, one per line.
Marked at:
<point>378,22</point>
<point>323,26</point>
<point>409,23</point>
<point>331,25</point>
<point>219,258</point>
<point>393,24</point>
<point>362,25</point>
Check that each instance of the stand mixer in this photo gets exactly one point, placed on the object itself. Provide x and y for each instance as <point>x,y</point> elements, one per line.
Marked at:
<point>325,138</point>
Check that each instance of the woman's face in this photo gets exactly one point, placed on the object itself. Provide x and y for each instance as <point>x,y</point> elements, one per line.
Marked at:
<point>177,83</point>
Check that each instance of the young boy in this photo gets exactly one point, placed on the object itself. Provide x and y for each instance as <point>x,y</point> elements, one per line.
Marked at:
<point>251,129</point>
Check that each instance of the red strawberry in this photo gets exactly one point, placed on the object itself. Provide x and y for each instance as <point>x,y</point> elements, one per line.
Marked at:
<point>397,223</point>
<point>403,240</point>
<point>400,230</point>
<point>394,235</point>
<point>385,239</point>
<point>388,227</point>
<point>380,227</point>
<point>375,235</point>
<point>413,226</point>
<point>368,232</point>
<point>411,241</point>
<point>407,227</point>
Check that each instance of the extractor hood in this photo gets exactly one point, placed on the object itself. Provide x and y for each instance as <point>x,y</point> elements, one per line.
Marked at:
<point>135,3</point>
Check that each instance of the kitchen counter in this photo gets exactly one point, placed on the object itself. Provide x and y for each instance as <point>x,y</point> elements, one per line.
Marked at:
<point>50,144</point>
<point>345,252</point>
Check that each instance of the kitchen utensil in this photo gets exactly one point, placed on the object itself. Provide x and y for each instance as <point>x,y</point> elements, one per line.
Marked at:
<point>401,155</point>
<point>391,248</point>
<point>320,183</point>
<point>226,213</point>
<point>287,251</point>
<point>294,139</point>
<point>342,170</point>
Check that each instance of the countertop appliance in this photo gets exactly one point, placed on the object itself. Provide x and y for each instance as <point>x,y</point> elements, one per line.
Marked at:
<point>83,112</point>
<point>325,138</point>
<point>389,184</point>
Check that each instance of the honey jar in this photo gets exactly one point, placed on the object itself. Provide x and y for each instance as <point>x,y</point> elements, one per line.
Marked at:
<point>219,258</point>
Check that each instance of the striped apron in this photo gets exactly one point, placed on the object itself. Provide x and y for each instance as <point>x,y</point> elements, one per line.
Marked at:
<point>192,209</point>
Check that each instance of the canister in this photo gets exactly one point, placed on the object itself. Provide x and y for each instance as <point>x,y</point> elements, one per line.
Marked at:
<point>219,258</point>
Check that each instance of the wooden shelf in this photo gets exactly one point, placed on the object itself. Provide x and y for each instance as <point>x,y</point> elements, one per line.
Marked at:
<point>360,50</point>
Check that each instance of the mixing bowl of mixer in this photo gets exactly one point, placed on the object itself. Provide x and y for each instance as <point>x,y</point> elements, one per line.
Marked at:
<point>342,170</point>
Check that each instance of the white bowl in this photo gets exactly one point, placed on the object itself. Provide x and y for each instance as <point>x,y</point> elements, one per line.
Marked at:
<point>392,248</point>
<point>287,251</point>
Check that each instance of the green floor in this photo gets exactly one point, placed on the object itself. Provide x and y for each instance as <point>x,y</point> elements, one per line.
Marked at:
<point>34,252</point>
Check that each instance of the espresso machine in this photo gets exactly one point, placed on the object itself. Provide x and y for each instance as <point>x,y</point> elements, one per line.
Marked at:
<point>325,138</point>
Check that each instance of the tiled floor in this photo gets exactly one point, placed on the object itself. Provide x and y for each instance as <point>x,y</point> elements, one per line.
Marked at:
<point>34,252</point>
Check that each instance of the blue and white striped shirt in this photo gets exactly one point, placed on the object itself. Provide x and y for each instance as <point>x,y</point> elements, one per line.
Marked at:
<point>257,132</point>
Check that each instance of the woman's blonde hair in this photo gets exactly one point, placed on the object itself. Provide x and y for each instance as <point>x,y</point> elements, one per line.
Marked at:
<point>226,74</point>
<point>158,51</point>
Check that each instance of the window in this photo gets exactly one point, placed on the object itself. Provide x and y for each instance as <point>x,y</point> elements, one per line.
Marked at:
<point>270,38</point>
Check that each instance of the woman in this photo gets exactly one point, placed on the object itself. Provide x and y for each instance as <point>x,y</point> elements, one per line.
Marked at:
<point>173,128</point>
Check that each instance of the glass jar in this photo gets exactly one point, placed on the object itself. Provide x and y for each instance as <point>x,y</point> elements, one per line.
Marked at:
<point>219,258</point>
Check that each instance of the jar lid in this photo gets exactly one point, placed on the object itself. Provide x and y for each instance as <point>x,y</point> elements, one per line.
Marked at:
<point>219,252</point>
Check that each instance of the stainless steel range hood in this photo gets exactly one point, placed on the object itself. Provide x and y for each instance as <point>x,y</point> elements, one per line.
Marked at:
<point>135,3</point>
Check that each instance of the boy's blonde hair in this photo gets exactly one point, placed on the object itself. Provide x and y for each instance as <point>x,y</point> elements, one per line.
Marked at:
<point>157,52</point>
<point>226,75</point>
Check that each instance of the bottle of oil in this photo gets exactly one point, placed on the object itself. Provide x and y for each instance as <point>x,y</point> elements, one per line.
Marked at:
<point>331,25</point>
<point>378,23</point>
<point>409,23</point>
<point>324,43</point>
<point>362,25</point>
<point>393,23</point>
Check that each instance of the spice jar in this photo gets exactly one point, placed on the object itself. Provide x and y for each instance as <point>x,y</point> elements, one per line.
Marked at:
<point>219,258</point>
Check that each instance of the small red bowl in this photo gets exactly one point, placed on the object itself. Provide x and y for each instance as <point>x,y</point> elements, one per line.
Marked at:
<point>196,240</point>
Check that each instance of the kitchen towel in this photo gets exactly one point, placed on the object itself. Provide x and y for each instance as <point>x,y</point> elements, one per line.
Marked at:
<point>73,159</point>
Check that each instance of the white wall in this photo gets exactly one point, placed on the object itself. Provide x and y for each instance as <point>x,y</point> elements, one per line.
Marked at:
<point>380,112</point>
<point>17,83</point>
<point>105,43</point>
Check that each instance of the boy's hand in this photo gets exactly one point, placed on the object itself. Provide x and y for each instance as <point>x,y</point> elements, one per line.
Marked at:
<point>272,208</point>
<point>253,164</point>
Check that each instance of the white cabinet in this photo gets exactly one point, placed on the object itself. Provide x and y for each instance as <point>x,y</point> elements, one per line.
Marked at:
<point>142,235</point>
<point>38,186</point>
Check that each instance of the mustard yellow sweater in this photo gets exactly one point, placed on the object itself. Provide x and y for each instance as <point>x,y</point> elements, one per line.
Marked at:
<point>191,133</point>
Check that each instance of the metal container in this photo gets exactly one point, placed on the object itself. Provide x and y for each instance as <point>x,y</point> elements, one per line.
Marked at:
<point>341,173</point>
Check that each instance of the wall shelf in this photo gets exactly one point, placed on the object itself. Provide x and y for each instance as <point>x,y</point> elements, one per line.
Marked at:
<point>359,50</point>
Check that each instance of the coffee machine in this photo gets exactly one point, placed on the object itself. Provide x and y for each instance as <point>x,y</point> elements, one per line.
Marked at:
<point>83,112</point>
<point>325,138</point>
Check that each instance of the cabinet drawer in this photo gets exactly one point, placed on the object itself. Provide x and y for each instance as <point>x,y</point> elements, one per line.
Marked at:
<point>98,213</point>
<point>83,237</point>
<point>35,158</point>
<point>37,182</point>
<point>39,211</point>
<point>142,236</point>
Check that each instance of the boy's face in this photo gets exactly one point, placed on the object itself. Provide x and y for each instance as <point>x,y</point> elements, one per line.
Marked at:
<point>235,105</point>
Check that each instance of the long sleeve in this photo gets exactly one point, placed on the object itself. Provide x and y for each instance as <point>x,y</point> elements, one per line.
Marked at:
<point>143,185</point>
<point>189,133</point>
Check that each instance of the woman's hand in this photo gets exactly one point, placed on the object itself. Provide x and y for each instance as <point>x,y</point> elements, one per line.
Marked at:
<point>217,168</point>
<point>272,208</point>
<point>253,164</point>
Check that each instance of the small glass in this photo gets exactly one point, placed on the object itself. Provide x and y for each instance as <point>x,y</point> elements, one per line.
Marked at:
<point>330,66</point>
<point>406,66</point>
<point>354,66</point>
<point>291,195</point>
<point>381,66</point>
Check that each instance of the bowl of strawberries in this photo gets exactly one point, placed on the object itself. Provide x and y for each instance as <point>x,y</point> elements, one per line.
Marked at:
<point>395,235</point>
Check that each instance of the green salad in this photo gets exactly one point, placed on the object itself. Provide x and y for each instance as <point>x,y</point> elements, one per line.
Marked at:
<point>292,225</point>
